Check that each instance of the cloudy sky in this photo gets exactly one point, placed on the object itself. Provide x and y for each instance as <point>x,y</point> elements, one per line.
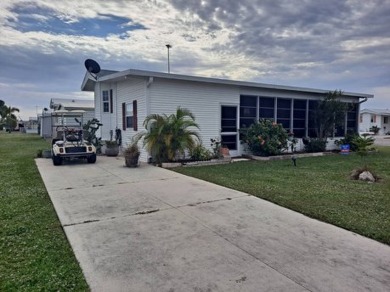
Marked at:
<point>333,44</point>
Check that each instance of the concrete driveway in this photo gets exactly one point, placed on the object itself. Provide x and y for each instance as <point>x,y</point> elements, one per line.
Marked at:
<point>150,229</point>
<point>382,140</point>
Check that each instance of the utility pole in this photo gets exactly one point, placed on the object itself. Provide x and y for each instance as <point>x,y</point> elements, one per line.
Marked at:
<point>168,47</point>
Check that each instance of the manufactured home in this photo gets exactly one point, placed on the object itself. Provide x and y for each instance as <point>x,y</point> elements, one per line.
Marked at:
<point>375,118</point>
<point>221,107</point>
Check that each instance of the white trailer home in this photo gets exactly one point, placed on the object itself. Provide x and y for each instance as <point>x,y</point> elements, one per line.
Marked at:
<point>221,107</point>
<point>375,117</point>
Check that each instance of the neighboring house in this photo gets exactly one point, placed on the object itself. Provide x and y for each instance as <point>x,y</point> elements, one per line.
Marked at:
<point>375,117</point>
<point>48,121</point>
<point>31,126</point>
<point>221,107</point>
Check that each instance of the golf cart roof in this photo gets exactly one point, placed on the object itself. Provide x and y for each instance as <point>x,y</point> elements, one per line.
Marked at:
<point>73,113</point>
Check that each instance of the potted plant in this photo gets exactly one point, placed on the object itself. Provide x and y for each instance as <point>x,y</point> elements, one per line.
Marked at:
<point>112,148</point>
<point>131,154</point>
<point>224,151</point>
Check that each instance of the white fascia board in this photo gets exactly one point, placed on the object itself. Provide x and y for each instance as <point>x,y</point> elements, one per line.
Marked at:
<point>132,72</point>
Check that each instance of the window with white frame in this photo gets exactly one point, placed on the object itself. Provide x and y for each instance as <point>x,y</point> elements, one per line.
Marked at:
<point>106,101</point>
<point>385,120</point>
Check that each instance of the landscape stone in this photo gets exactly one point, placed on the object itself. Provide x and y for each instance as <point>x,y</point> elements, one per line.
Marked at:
<point>366,176</point>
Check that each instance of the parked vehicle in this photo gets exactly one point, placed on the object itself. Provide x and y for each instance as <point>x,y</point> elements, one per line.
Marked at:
<point>69,142</point>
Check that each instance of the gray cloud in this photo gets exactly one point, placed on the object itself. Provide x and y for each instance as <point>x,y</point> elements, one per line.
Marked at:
<point>326,44</point>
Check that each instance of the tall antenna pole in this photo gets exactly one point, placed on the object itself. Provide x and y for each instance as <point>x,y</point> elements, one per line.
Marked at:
<point>168,47</point>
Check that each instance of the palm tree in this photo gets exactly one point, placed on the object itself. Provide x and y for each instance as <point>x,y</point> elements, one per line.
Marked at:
<point>169,136</point>
<point>2,108</point>
<point>8,117</point>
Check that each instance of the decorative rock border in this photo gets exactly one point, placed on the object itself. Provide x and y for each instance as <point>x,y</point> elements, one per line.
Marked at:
<point>228,159</point>
<point>286,156</point>
<point>224,160</point>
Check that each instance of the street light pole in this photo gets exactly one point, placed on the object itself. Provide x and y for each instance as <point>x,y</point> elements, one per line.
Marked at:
<point>168,47</point>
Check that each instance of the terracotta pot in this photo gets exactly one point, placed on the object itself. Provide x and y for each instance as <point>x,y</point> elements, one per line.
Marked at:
<point>224,151</point>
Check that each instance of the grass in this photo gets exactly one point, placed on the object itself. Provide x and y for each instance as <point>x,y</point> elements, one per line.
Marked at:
<point>34,252</point>
<point>318,187</point>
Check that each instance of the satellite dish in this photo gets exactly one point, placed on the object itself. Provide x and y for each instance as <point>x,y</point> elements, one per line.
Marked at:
<point>92,67</point>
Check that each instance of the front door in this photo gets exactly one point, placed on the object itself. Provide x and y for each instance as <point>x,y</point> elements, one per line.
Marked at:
<point>229,128</point>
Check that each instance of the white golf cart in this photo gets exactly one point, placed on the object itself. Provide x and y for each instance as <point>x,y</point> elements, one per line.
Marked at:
<point>69,140</point>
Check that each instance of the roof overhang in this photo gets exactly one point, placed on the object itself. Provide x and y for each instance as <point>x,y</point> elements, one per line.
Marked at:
<point>123,75</point>
<point>89,81</point>
<point>383,112</point>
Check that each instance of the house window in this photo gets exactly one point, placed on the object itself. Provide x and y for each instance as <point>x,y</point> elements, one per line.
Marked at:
<point>373,118</point>
<point>385,120</point>
<point>129,115</point>
<point>106,101</point>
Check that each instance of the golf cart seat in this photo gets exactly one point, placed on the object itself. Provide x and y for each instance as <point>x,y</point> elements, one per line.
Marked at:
<point>72,138</point>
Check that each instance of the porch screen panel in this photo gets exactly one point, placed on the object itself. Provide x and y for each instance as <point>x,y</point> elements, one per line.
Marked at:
<point>229,119</point>
<point>299,118</point>
<point>248,108</point>
<point>230,141</point>
<point>352,125</point>
<point>312,125</point>
<point>284,112</point>
<point>267,108</point>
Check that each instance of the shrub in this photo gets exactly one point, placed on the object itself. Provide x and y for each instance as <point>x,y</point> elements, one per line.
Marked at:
<point>200,153</point>
<point>362,145</point>
<point>266,138</point>
<point>169,136</point>
<point>348,139</point>
<point>314,145</point>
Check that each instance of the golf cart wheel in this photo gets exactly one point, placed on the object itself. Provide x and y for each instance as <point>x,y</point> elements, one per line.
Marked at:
<point>57,160</point>
<point>92,158</point>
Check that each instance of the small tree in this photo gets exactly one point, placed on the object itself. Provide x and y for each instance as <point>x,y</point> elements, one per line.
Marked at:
<point>7,116</point>
<point>328,114</point>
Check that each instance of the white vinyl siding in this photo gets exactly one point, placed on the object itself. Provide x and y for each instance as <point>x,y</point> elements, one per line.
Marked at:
<point>204,100</point>
<point>127,91</point>
<point>107,118</point>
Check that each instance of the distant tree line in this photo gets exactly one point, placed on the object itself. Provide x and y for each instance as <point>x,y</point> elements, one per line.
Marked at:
<point>8,120</point>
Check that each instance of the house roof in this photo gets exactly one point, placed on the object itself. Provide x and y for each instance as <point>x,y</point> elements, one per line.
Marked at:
<point>122,75</point>
<point>69,104</point>
<point>89,82</point>
<point>382,112</point>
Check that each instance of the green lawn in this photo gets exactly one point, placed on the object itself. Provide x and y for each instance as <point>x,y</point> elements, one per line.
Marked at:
<point>318,187</point>
<point>34,252</point>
